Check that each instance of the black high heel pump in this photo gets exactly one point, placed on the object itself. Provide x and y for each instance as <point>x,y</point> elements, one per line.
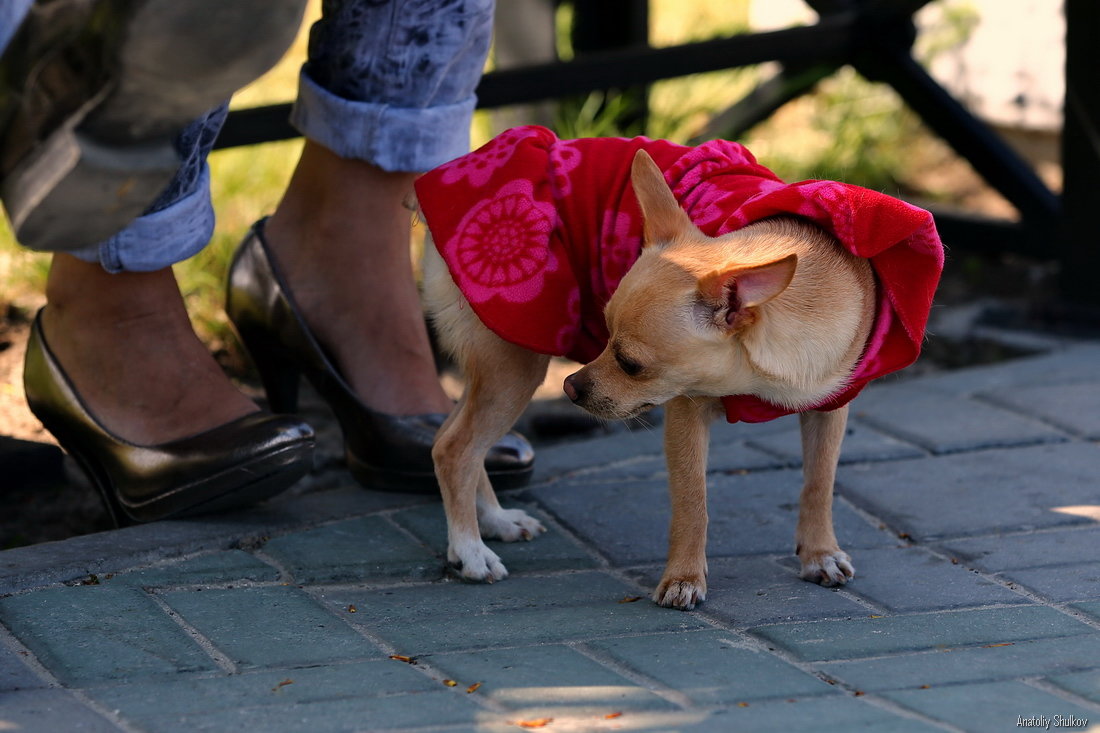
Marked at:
<point>251,458</point>
<point>383,451</point>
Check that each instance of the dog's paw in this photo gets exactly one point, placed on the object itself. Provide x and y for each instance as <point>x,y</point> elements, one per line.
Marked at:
<point>509,525</point>
<point>474,561</point>
<point>826,567</point>
<point>680,592</point>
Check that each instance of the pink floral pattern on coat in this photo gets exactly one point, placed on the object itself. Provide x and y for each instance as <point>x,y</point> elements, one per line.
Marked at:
<point>619,248</point>
<point>499,246</point>
<point>564,158</point>
<point>538,232</point>
<point>478,167</point>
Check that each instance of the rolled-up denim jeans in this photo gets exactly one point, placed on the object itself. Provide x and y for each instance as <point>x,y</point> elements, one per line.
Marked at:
<point>12,13</point>
<point>391,83</point>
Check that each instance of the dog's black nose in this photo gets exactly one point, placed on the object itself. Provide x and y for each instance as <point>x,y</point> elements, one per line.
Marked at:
<point>576,385</point>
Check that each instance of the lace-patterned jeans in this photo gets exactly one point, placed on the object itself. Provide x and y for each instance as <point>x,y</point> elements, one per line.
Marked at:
<point>390,82</point>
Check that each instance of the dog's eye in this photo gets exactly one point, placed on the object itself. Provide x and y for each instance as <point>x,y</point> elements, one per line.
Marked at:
<point>631,367</point>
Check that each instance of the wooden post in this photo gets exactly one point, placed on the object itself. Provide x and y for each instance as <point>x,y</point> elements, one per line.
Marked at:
<point>1080,255</point>
<point>601,25</point>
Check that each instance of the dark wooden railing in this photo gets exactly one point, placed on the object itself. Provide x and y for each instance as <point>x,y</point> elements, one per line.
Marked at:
<point>876,38</point>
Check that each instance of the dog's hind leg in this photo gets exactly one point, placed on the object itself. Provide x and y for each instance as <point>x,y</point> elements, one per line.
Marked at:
<point>815,541</point>
<point>501,378</point>
<point>496,522</point>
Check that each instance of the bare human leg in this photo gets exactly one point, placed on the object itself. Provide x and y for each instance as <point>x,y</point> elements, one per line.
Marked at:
<point>341,237</point>
<point>126,342</point>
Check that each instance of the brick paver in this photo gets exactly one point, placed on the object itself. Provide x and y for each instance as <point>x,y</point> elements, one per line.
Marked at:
<point>749,591</point>
<point>981,492</point>
<point>517,679</point>
<point>931,582</point>
<point>968,500</point>
<point>976,663</point>
<point>355,549</point>
<point>713,667</point>
<point>1004,706</point>
<point>87,634</point>
<point>944,423</point>
<point>875,635</point>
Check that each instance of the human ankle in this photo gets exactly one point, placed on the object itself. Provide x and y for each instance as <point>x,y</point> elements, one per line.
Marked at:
<point>126,343</point>
<point>341,239</point>
<point>329,196</point>
<point>86,290</point>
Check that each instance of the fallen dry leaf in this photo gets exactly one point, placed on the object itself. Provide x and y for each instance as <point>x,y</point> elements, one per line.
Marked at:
<point>536,723</point>
<point>1007,643</point>
<point>403,658</point>
<point>612,716</point>
<point>742,704</point>
<point>450,683</point>
<point>630,599</point>
<point>353,609</point>
<point>284,683</point>
<point>473,688</point>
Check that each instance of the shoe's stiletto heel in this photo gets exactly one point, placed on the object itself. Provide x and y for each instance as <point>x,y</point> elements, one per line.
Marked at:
<point>244,461</point>
<point>382,451</point>
<point>101,483</point>
<point>278,374</point>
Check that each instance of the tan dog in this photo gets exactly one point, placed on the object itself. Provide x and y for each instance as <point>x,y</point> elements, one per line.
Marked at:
<point>777,309</point>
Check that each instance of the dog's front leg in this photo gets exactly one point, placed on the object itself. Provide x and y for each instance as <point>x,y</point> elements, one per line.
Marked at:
<point>815,541</point>
<point>687,429</point>
<point>500,381</point>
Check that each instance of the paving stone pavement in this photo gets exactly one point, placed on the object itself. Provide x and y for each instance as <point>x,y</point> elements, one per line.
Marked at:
<point>969,500</point>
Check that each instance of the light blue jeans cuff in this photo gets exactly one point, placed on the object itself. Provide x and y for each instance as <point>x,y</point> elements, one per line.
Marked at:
<point>12,13</point>
<point>160,239</point>
<point>393,138</point>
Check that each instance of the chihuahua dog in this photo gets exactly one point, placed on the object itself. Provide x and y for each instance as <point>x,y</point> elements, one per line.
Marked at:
<point>778,309</point>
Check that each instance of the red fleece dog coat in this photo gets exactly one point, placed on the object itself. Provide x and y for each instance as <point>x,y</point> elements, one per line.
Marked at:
<point>538,232</point>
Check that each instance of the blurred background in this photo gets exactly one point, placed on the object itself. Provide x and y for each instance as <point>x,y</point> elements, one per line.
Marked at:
<point>1003,59</point>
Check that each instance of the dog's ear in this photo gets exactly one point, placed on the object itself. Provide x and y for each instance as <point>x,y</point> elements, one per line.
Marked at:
<point>664,220</point>
<point>733,294</point>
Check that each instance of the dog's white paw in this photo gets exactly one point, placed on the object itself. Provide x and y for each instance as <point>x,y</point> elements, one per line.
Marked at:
<point>681,592</point>
<point>826,567</point>
<point>475,561</point>
<point>509,525</point>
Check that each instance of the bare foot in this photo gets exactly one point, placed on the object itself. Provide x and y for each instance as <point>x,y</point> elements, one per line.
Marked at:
<point>126,343</point>
<point>341,237</point>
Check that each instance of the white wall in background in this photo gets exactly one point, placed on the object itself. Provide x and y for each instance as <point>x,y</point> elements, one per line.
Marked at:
<point>1010,71</point>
